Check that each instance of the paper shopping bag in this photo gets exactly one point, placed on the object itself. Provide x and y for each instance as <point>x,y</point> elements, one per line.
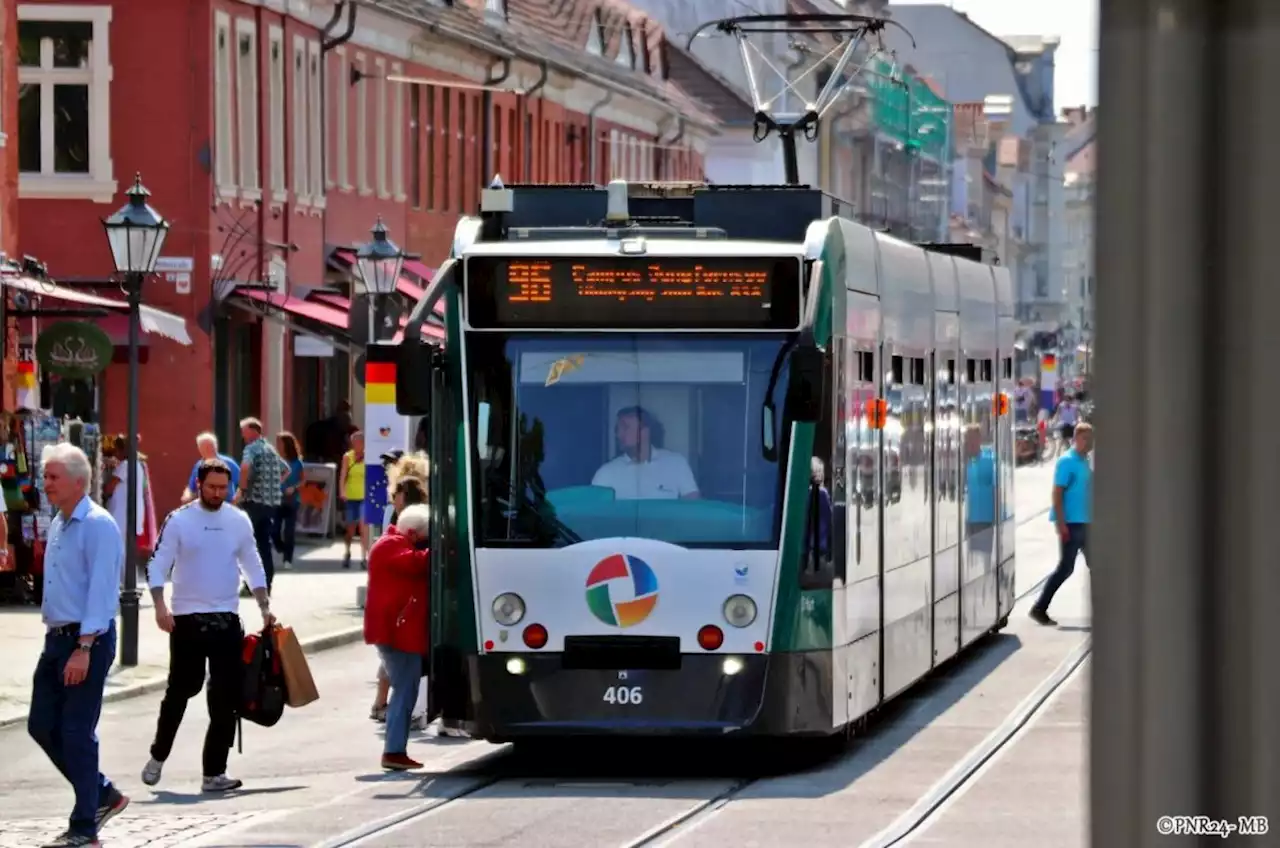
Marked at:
<point>300,688</point>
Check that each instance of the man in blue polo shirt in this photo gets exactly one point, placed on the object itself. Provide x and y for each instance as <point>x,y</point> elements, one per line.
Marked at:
<point>1071,513</point>
<point>207,445</point>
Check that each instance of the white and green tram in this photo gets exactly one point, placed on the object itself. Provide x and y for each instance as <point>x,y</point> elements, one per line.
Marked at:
<point>706,460</point>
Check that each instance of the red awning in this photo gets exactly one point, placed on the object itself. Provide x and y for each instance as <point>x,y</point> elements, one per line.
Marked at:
<point>318,312</point>
<point>152,320</point>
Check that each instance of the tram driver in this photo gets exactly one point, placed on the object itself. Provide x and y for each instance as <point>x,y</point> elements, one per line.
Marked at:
<point>643,469</point>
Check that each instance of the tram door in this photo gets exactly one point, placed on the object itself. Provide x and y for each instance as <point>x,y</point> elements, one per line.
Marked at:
<point>447,696</point>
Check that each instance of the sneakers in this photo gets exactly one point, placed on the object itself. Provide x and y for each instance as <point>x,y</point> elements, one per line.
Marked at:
<point>399,762</point>
<point>1041,617</point>
<point>151,771</point>
<point>418,722</point>
<point>73,840</point>
<point>221,783</point>
<point>346,560</point>
<point>110,806</point>
<point>379,714</point>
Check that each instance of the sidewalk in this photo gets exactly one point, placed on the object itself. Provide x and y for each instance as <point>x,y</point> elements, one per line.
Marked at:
<point>317,598</point>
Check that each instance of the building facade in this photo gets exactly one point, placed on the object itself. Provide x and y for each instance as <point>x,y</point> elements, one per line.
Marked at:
<point>8,185</point>
<point>1079,144</point>
<point>1014,77</point>
<point>274,133</point>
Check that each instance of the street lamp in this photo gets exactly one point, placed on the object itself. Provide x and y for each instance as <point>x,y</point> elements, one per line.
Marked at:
<point>380,262</point>
<point>136,233</point>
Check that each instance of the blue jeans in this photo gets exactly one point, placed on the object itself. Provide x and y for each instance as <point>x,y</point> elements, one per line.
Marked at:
<point>263,517</point>
<point>64,720</point>
<point>284,530</point>
<point>405,672</point>
<point>1076,543</point>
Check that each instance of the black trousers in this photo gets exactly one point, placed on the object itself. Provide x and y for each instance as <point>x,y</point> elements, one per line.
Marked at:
<point>199,640</point>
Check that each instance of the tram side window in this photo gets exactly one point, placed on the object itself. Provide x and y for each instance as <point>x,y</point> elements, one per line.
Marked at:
<point>866,367</point>
<point>818,518</point>
<point>897,371</point>
<point>971,371</point>
<point>1006,367</point>
<point>987,370</point>
<point>917,371</point>
<point>950,376</point>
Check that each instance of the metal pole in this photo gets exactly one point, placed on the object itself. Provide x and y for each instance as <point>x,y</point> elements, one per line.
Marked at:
<point>130,596</point>
<point>1185,693</point>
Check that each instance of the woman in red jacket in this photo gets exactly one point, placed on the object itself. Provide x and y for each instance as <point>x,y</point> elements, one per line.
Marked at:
<point>395,620</point>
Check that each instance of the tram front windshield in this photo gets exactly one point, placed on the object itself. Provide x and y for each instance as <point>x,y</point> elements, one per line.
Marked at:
<point>597,436</point>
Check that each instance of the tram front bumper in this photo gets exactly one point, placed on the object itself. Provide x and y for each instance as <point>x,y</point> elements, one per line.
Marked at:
<point>519,695</point>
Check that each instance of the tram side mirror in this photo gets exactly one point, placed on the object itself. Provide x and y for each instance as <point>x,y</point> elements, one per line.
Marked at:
<point>804,384</point>
<point>413,378</point>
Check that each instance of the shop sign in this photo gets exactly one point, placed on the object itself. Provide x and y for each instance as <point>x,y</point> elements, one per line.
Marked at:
<point>74,349</point>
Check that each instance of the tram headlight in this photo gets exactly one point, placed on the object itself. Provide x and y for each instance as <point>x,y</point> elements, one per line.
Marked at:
<point>739,611</point>
<point>508,609</point>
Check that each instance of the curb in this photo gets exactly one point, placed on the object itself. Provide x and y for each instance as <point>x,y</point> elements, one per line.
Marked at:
<point>336,639</point>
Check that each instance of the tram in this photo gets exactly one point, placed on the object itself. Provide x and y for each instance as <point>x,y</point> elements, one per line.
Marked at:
<point>706,460</point>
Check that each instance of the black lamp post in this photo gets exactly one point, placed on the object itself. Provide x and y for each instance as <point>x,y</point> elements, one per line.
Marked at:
<point>379,262</point>
<point>136,234</point>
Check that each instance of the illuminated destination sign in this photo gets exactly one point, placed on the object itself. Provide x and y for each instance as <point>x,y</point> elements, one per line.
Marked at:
<point>641,292</point>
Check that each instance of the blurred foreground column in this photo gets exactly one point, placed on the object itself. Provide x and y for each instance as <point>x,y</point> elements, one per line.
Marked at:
<point>1186,578</point>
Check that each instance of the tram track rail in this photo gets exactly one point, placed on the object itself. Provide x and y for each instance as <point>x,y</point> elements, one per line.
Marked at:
<point>674,828</point>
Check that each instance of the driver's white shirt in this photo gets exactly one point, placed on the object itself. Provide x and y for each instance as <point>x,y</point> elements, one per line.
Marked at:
<point>666,475</point>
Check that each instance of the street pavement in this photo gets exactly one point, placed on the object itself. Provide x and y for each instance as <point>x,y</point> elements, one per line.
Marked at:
<point>317,598</point>
<point>314,777</point>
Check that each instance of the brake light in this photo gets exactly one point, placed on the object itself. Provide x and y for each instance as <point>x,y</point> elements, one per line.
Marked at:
<point>710,637</point>
<point>535,636</point>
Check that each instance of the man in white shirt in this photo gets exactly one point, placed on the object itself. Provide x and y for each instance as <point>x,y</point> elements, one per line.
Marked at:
<point>644,470</point>
<point>206,544</point>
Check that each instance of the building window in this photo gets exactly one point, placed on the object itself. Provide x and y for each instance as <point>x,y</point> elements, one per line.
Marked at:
<point>429,133</point>
<point>224,162</point>
<point>276,105</point>
<point>315,134</point>
<point>247,106</point>
<point>64,88</point>
<point>464,151</point>
<point>446,147</point>
<point>415,148</point>
<point>659,69</point>
<point>397,133</point>
<point>626,52</point>
<point>496,8</point>
<point>380,129</point>
<point>362,134</point>
<point>595,37</point>
<point>299,108</point>
<point>341,92</point>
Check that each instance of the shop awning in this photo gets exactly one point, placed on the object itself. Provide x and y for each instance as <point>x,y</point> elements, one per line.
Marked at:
<point>318,312</point>
<point>153,320</point>
<point>337,301</point>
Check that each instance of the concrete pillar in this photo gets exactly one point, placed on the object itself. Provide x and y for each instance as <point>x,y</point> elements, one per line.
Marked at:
<point>1186,578</point>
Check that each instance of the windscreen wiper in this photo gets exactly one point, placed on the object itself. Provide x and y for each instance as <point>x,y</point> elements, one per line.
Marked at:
<point>518,501</point>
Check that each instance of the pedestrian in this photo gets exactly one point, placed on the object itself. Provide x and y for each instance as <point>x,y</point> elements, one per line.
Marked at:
<point>207,448</point>
<point>207,546</point>
<point>83,567</point>
<point>396,621</point>
<point>351,490</point>
<point>407,491</point>
<point>261,470</point>
<point>284,530</point>
<point>1071,514</point>
<point>115,489</point>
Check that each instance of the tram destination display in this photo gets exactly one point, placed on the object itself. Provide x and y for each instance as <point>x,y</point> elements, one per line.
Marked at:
<point>633,292</point>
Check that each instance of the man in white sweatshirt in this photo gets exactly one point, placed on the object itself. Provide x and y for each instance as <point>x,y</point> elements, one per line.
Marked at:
<point>207,544</point>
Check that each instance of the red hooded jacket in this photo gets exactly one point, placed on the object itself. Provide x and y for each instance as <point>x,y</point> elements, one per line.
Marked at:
<point>395,607</point>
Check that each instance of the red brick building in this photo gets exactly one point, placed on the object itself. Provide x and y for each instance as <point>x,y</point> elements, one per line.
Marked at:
<point>8,177</point>
<point>272,134</point>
